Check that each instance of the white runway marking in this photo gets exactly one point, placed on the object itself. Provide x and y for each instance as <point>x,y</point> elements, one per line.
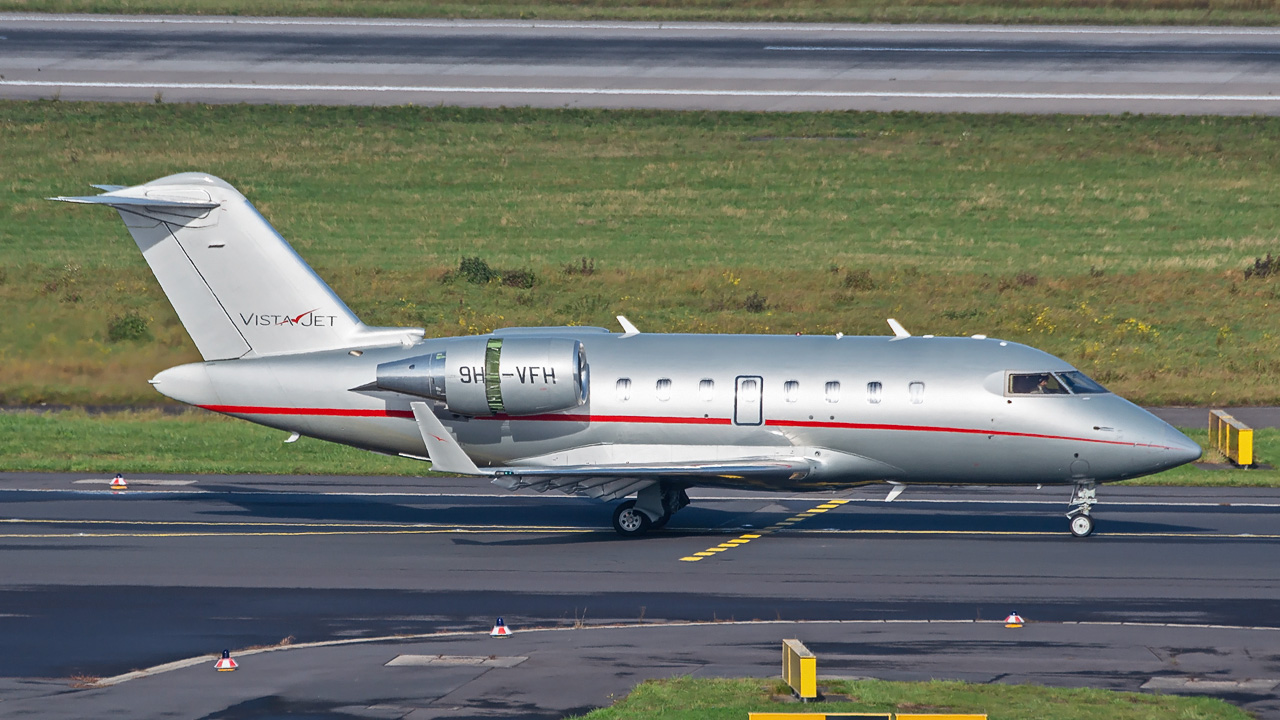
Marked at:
<point>684,27</point>
<point>1015,51</point>
<point>695,495</point>
<point>783,94</point>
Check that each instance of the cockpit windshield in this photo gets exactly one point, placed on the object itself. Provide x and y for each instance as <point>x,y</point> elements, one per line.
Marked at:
<point>1035,384</point>
<point>1048,383</point>
<point>1081,384</point>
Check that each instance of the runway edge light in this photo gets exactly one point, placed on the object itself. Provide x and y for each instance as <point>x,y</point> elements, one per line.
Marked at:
<point>226,664</point>
<point>1013,621</point>
<point>500,630</point>
<point>118,483</point>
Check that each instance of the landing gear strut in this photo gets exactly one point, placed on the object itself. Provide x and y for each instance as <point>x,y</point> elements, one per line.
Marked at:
<point>1083,499</point>
<point>651,509</point>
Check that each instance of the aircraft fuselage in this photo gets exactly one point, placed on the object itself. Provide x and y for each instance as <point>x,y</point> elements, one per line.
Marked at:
<point>929,410</point>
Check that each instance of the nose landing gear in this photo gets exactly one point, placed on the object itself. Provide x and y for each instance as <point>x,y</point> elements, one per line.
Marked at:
<point>1083,498</point>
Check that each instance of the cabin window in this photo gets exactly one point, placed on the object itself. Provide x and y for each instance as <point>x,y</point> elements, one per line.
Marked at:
<point>707,389</point>
<point>833,392</point>
<point>874,389</point>
<point>917,392</point>
<point>663,388</point>
<point>1037,384</point>
<point>791,391</point>
<point>624,389</point>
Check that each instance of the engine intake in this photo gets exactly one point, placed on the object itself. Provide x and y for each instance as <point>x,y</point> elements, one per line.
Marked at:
<point>494,375</point>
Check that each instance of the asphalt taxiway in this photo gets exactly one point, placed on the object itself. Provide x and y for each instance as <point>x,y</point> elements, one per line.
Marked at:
<point>1177,591</point>
<point>720,66</point>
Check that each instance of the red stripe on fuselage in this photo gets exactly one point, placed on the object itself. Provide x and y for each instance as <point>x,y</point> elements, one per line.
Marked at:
<point>328,412</point>
<point>662,420</point>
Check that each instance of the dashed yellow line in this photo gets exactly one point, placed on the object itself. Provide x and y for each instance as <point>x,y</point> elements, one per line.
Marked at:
<point>748,537</point>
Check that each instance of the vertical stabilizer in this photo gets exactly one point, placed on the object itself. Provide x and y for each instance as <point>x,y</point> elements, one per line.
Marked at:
<point>237,285</point>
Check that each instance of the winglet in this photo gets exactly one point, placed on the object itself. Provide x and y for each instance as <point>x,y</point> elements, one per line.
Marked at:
<point>628,330</point>
<point>446,454</point>
<point>899,332</point>
<point>894,491</point>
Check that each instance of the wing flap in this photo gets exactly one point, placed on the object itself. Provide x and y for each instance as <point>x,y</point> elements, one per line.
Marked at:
<point>610,482</point>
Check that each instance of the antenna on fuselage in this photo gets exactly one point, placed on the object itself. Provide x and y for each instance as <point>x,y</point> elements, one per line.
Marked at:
<point>899,332</point>
<point>628,330</point>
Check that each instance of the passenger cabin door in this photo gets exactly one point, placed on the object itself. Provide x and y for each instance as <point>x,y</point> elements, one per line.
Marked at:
<point>747,409</point>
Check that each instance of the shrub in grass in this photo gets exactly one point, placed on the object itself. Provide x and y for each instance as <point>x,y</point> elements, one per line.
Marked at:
<point>858,280</point>
<point>755,303</point>
<point>1263,267</point>
<point>519,278</point>
<point>130,326</point>
<point>584,266</point>
<point>475,270</point>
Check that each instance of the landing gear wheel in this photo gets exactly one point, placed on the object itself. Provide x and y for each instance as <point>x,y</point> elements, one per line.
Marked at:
<point>1081,526</point>
<point>630,522</point>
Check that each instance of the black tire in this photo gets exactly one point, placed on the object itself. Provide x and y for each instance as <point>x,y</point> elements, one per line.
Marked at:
<point>1081,526</point>
<point>629,522</point>
<point>661,522</point>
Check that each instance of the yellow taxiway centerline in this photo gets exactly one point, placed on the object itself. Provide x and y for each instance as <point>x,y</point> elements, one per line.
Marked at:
<point>748,537</point>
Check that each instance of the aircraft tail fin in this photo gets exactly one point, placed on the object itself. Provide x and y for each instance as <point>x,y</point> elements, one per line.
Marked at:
<point>238,287</point>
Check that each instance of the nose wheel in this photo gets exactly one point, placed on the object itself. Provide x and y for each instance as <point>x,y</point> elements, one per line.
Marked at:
<point>1079,510</point>
<point>1082,526</point>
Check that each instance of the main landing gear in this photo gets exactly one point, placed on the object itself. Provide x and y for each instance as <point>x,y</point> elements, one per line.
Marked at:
<point>1083,499</point>
<point>651,509</point>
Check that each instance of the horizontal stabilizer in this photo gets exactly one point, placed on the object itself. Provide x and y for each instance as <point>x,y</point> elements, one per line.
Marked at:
<point>120,201</point>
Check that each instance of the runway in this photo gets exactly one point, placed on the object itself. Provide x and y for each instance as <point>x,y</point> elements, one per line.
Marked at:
<point>1178,584</point>
<point>1165,70</point>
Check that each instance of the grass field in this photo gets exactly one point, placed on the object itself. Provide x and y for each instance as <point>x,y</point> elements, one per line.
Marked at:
<point>1155,12</point>
<point>712,699</point>
<point>1118,243</point>
<point>146,441</point>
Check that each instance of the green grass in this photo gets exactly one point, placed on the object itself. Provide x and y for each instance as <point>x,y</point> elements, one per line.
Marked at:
<point>204,443</point>
<point>1117,243</point>
<point>1158,12</point>
<point>710,699</point>
<point>194,442</point>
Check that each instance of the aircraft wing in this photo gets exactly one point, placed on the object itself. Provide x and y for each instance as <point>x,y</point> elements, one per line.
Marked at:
<point>601,481</point>
<point>610,482</point>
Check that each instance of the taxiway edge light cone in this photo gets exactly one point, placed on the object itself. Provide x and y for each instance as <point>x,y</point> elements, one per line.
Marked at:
<point>226,664</point>
<point>118,483</point>
<point>500,630</point>
<point>1013,621</point>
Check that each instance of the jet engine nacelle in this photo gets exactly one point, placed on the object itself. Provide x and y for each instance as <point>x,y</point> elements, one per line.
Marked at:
<point>495,375</point>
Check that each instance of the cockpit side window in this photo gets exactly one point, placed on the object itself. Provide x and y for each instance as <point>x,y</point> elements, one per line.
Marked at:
<point>1080,384</point>
<point>1035,384</point>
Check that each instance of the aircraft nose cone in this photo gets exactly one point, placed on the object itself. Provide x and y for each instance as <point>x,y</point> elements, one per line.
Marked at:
<point>1182,449</point>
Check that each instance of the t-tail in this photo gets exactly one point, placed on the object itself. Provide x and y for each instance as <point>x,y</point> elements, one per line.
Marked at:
<point>238,287</point>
